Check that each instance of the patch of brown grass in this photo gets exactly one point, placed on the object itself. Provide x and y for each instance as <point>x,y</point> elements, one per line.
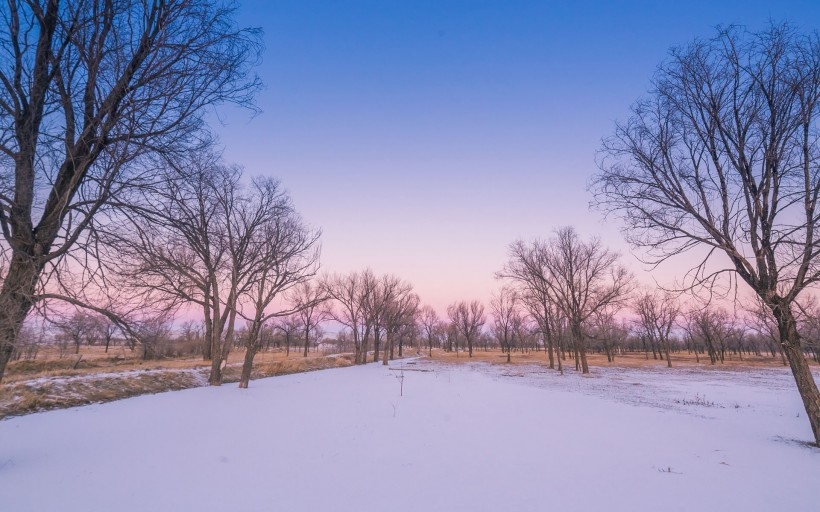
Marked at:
<point>57,393</point>
<point>629,360</point>
<point>45,384</point>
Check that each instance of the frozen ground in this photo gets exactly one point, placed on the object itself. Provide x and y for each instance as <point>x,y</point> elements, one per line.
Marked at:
<point>467,438</point>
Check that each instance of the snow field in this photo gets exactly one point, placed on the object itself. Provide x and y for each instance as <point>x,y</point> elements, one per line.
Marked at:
<point>471,438</point>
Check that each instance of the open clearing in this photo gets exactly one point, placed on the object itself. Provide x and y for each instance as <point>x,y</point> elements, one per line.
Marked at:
<point>473,437</point>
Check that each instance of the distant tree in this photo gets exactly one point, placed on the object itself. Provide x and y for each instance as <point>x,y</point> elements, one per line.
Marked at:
<point>397,306</point>
<point>451,336</point>
<point>712,326</point>
<point>467,320</point>
<point>657,314</point>
<point>400,312</point>
<point>290,326</point>
<point>583,278</point>
<point>77,329</point>
<point>506,318</point>
<point>154,334</point>
<point>527,268</point>
<point>428,318</point>
<point>107,329</point>
<point>308,299</point>
<point>722,157</point>
<point>350,294</point>
<point>608,332</point>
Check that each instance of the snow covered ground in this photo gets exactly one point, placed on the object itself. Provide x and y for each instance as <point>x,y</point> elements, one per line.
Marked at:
<point>471,437</point>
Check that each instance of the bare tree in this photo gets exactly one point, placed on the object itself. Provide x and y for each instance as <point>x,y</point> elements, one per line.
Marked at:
<point>203,238</point>
<point>107,329</point>
<point>401,307</point>
<point>506,318</point>
<point>527,267</point>
<point>87,89</point>
<point>467,320</point>
<point>350,295</point>
<point>77,328</point>
<point>713,327</point>
<point>309,301</point>
<point>608,332</point>
<point>189,238</point>
<point>723,156</point>
<point>583,278</point>
<point>153,333</point>
<point>429,319</point>
<point>657,314</point>
<point>290,326</point>
<point>286,256</point>
<point>372,309</point>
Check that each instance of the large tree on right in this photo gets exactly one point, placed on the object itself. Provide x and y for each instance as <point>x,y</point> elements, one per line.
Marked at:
<point>722,158</point>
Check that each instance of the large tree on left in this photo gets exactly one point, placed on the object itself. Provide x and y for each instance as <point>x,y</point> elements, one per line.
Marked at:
<point>88,90</point>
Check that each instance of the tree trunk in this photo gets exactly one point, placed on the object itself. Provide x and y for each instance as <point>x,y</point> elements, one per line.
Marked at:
<point>790,339</point>
<point>580,348</point>
<point>15,304</point>
<point>559,347</point>
<point>247,365</point>
<point>364,347</point>
<point>254,345</point>
<point>549,350</point>
<point>221,348</point>
<point>376,339</point>
<point>209,330</point>
<point>386,352</point>
<point>215,378</point>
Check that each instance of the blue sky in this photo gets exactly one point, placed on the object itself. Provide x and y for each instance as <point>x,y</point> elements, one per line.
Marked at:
<point>425,136</point>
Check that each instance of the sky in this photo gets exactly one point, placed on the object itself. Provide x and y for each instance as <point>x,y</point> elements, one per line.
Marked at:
<point>424,136</point>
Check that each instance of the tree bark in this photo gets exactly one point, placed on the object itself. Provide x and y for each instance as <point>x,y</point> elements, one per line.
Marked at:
<point>247,365</point>
<point>580,348</point>
<point>386,352</point>
<point>787,326</point>
<point>376,340</point>
<point>15,304</point>
<point>254,345</point>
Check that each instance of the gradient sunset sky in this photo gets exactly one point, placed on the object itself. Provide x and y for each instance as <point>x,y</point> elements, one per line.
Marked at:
<point>423,137</point>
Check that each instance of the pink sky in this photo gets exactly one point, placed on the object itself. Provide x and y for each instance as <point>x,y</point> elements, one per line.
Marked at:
<point>424,137</point>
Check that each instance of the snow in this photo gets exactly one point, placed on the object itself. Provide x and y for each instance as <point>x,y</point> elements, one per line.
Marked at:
<point>470,437</point>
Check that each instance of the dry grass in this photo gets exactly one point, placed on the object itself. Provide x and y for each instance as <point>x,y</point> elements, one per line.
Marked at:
<point>630,360</point>
<point>53,383</point>
<point>56,393</point>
